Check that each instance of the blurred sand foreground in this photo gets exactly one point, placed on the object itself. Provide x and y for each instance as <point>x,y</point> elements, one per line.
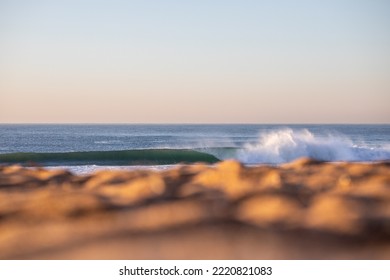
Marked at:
<point>302,210</point>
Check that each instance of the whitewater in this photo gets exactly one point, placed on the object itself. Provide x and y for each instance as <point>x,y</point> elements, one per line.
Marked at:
<point>285,145</point>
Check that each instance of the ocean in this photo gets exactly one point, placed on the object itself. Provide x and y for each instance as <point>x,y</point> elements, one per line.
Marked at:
<point>84,148</point>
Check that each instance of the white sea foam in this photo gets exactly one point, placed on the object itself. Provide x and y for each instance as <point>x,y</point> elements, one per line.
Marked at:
<point>89,169</point>
<point>285,145</point>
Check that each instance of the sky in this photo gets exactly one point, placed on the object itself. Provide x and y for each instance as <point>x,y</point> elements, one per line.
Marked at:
<point>194,61</point>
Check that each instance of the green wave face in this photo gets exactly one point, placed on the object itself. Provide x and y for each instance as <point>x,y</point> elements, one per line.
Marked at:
<point>130,157</point>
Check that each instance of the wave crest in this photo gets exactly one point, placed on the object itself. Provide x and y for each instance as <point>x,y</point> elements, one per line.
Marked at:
<point>287,144</point>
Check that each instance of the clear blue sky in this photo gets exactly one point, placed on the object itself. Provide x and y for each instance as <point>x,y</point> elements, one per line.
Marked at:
<point>195,61</point>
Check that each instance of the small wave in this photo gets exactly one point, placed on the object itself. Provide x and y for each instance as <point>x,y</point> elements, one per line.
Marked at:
<point>108,142</point>
<point>287,144</point>
<point>120,158</point>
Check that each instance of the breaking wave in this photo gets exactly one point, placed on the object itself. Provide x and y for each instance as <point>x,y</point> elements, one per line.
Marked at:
<point>120,158</point>
<point>272,147</point>
<point>287,144</point>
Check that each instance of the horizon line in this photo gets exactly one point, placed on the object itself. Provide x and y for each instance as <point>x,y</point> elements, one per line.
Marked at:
<point>189,123</point>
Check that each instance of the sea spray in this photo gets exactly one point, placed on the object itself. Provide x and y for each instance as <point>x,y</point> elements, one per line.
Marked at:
<point>285,145</point>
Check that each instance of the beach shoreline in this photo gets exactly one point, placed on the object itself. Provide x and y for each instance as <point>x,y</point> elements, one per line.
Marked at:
<point>305,209</point>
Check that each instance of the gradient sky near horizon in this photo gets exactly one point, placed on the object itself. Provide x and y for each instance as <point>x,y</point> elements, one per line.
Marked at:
<point>200,61</point>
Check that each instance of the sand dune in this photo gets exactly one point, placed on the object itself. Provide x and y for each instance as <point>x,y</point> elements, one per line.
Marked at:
<point>302,210</point>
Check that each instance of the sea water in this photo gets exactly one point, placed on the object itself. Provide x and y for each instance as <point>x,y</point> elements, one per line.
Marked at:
<point>85,148</point>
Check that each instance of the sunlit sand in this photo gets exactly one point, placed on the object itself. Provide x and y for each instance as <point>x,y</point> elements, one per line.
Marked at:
<point>301,210</point>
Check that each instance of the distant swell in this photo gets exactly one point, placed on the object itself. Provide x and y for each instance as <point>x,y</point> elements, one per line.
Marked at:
<point>285,145</point>
<point>130,157</point>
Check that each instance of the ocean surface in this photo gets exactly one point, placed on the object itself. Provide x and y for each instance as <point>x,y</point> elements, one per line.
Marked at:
<point>86,148</point>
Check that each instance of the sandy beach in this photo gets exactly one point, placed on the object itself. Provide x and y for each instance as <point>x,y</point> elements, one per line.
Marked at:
<point>301,210</point>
